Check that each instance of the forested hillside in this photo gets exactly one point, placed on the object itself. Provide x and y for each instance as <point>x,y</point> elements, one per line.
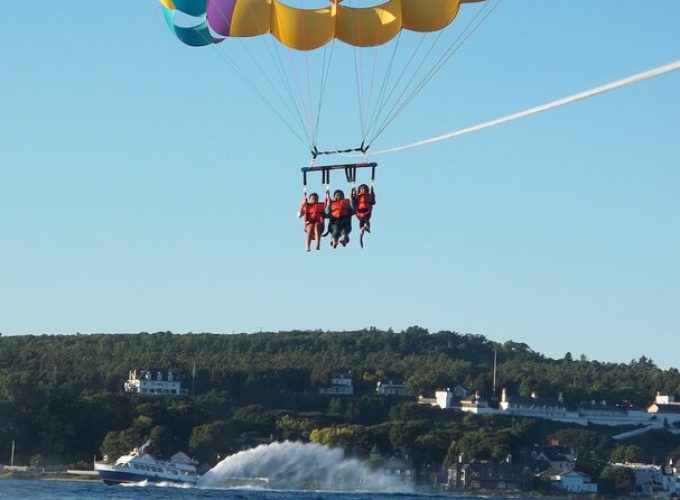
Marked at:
<point>62,399</point>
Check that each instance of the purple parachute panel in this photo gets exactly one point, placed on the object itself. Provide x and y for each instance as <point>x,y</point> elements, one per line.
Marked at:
<point>219,14</point>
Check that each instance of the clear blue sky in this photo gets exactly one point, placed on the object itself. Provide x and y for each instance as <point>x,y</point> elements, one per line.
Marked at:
<point>143,187</point>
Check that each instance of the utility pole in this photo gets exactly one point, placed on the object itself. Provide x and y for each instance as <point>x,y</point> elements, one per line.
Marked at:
<point>494,370</point>
<point>193,379</point>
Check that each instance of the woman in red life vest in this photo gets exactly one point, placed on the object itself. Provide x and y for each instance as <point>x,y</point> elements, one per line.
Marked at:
<point>364,200</point>
<point>339,211</point>
<point>313,212</point>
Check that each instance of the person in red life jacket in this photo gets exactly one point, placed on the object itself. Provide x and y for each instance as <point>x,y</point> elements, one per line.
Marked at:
<point>364,200</point>
<point>314,213</point>
<point>339,211</point>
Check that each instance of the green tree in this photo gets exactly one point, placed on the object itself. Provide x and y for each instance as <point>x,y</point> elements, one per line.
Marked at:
<point>212,441</point>
<point>117,443</point>
<point>616,480</point>
<point>163,442</point>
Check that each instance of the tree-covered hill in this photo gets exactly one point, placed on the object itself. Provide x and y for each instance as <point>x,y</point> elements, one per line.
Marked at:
<point>61,396</point>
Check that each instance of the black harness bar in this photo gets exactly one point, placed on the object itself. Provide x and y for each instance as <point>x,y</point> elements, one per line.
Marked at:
<point>361,149</point>
<point>349,168</point>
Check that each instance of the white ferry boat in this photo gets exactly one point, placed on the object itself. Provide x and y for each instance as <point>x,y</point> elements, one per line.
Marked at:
<point>140,466</point>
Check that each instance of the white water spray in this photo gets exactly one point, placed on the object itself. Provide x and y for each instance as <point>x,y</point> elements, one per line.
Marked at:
<point>300,466</point>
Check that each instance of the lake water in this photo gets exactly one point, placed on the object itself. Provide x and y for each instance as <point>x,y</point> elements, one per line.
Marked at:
<point>79,490</point>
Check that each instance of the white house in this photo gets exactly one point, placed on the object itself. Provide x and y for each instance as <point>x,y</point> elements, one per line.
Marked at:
<point>533,406</point>
<point>445,399</point>
<point>560,458</point>
<point>671,478</point>
<point>476,405</point>
<point>340,385</point>
<point>391,388</point>
<point>576,482</point>
<point>665,409</point>
<point>596,413</point>
<point>648,477</point>
<point>154,381</point>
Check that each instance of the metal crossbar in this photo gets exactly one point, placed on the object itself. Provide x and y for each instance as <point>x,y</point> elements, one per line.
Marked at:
<point>349,168</point>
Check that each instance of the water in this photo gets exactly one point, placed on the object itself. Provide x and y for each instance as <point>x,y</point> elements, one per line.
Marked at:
<point>80,490</point>
<point>278,471</point>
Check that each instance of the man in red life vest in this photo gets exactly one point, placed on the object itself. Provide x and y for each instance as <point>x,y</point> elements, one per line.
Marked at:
<point>339,211</point>
<point>364,200</point>
<point>313,212</point>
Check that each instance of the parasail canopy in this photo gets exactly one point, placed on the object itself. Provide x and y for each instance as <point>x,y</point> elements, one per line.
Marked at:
<point>293,83</point>
<point>308,29</point>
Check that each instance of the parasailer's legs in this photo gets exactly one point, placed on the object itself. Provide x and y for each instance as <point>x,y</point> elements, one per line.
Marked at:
<point>334,230</point>
<point>318,229</point>
<point>314,231</point>
<point>308,237</point>
<point>365,225</point>
<point>345,229</point>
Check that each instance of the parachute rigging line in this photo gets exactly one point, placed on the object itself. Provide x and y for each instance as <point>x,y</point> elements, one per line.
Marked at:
<point>218,20</point>
<point>287,85</point>
<point>639,77</point>
<point>293,108</point>
<point>325,71</point>
<point>381,99</point>
<point>457,43</point>
<point>253,87</point>
<point>379,111</point>
<point>251,84</point>
<point>359,77</point>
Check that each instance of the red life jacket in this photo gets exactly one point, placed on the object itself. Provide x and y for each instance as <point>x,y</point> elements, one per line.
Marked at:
<point>314,212</point>
<point>364,205</point>
<point>340,208</point>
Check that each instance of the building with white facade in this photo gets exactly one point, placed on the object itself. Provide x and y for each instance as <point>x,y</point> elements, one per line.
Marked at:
<point>392,388</point>
<point>576,482</point>
<point>648,477</point>
<point>341,385</point>
<point>533,406</point>
<point>154,382</point>
<point>477,405</point>
<point>665,411</point>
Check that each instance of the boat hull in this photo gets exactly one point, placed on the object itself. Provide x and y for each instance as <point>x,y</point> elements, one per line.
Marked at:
<point>111,476</point>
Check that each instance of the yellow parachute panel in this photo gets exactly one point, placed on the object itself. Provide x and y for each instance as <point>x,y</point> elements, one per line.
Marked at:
<point>308,29</point>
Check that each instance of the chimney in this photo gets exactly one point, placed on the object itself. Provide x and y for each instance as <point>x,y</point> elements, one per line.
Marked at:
<point>504,395</point>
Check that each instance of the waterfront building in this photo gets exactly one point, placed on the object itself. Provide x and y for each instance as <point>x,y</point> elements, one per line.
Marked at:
<point>155,382</point>
<point>477,405</point>
<point>533,406</point>
<point>392,388</point>
<point>341,385</point>
<point>451,398</point>
<point>558,459</point>
<point>648,477</point>
<point>665,409</point>
<point>575,482</point>
<point>489,475</point>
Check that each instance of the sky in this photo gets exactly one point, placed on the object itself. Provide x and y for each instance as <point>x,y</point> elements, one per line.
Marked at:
<point>145,187</point>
